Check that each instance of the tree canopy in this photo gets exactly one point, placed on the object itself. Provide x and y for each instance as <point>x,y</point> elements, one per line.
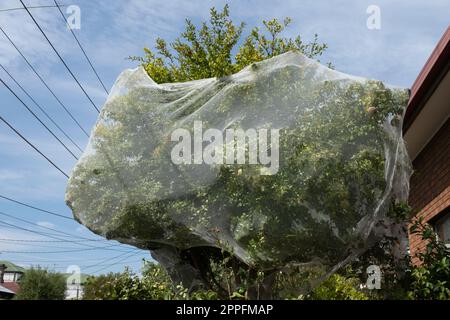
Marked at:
<point>41,284</point>
<point>216,49</point>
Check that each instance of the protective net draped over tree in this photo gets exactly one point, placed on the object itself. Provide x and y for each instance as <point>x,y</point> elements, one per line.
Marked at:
<point>342,162</point>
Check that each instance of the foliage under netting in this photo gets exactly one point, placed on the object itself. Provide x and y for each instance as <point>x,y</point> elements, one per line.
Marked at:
<point>341,164</point>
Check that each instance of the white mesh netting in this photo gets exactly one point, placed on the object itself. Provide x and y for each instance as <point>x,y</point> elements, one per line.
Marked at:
<point>322,161</point>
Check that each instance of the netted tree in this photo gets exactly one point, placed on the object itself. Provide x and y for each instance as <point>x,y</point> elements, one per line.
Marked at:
<point>337,171</point>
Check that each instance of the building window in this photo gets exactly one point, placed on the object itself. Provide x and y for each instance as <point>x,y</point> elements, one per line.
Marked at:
<point>442,227</point>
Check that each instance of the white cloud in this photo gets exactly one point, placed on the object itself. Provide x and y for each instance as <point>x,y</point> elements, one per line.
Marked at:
<point>46,224</point>
<point>8,175</point>
<point>81,229</point>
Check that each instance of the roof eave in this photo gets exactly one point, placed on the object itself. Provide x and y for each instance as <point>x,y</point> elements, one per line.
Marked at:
<point>436,67</point>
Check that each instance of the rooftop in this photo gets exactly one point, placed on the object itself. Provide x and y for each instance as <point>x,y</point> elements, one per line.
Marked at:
<point>11,267</point>
<point>10,287</point>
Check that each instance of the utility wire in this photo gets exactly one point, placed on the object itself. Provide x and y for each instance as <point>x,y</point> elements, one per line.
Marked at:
<point>44,227</point>
<point>48,241</point>
<point>42,245</point>
<point>38,119</point>
<point>55,261</point>
<point>62,233</point>
<point>59,251</point>
<point>114,263</point>
<point>64,266</point>
<point>101,263</point>
<point>42,109</point>
<point>35,7</point>
<point>81,47</point>
<point>45,83</point>
<point>47,234</point>
<point>48,212</point>
<point>36,208</point>
<point>35,148</point>
<point>111,258</point>
<point>41,233</point>
<point>59,56</point>
<point>52,236</point>
<point>37,225</point>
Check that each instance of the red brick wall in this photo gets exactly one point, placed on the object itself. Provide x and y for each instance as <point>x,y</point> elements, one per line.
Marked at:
<point>430,183</point>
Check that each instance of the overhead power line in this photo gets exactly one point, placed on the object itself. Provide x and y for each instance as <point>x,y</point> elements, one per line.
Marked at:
<point>41,233</point>
<point>124,256</point>
<point>44,83</point>
<point>34,7</point>
<point>81,47</point>
<point>60,233</point>
<point>33,146</point>
<point>59,251</point>
<point>49,245</point>
<point>63,233</point>
<point>53,260</point>
<point>39,119</point>
<point>111,258</point>
<point>42,109</point>
<point>52,236</point>
<point>82,267</point>
<point>114,263</point>
<point>60,57</point>
<point>49,241</point>
<point>36,208</point>
<point>50,213</point>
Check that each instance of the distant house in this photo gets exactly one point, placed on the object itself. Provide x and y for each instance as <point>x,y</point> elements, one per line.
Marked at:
<point>427,135</point>
<point>10,275</point>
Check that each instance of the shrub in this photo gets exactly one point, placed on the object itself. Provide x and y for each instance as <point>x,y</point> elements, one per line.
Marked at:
<point>41,284</point>
<point>430,278</point>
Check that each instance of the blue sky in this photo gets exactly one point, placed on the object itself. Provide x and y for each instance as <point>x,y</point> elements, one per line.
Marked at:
<point>112,30</point>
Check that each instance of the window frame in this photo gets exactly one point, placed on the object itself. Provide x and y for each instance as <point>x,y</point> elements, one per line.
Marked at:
<point>441,218</point>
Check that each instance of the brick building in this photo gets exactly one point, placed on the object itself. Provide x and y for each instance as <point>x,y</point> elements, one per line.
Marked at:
<point>427,135</point>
